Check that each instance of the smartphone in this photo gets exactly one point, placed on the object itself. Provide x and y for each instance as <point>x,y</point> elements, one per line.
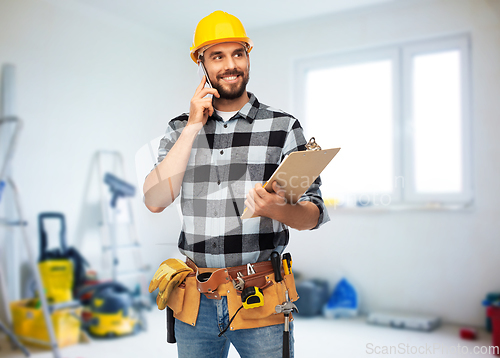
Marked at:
<point>203,72</point>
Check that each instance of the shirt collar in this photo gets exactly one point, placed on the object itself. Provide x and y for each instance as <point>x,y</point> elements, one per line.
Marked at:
<point>248,111</point>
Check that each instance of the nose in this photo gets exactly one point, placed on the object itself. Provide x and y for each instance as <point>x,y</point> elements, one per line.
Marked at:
<point>229,64</point>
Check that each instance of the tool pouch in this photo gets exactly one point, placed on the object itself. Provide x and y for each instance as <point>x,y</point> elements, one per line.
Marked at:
<point>169,275</point>
<point>185,300</point>
<point>208,282</point>
<point>274,294</point>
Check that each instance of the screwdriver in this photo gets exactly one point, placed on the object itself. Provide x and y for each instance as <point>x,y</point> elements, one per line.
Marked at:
<point>287,263</point>
<point>276,262</point>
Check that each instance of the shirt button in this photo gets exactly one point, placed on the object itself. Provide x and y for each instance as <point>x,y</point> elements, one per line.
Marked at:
<point>225,125</point>
<point>221,152</point>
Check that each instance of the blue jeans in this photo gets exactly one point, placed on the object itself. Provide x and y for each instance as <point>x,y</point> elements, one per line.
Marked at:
<point>202,340</point>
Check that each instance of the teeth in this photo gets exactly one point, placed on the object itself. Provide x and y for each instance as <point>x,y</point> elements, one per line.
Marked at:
<point>230,78</point>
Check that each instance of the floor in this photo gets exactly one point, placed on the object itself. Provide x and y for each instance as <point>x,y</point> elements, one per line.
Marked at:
<point>318,337</point>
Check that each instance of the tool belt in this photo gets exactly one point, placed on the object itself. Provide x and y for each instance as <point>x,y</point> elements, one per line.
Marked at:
<point>215,283</point>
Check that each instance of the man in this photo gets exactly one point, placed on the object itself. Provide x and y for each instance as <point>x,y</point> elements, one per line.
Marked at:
<point>217,157</point>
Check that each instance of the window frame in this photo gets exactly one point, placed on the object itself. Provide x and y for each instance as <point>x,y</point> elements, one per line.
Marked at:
<point>462,44</point>
<point>401,54</point>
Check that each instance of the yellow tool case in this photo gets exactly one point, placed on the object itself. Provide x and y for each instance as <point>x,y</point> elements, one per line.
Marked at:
<point>56,269</point>
<point>30,327</point>
<point>57,279</point>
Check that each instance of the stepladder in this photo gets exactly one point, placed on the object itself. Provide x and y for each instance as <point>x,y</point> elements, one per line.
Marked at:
<point>121,247</point>
<point>10,127</point>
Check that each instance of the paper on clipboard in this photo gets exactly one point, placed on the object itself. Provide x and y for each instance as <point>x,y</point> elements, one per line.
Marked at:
<point>297,172</point>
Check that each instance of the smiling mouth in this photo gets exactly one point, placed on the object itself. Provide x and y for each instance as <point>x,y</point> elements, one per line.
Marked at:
<point>230,78</point>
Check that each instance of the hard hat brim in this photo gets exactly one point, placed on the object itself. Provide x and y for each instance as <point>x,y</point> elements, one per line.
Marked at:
<point>194,50</point>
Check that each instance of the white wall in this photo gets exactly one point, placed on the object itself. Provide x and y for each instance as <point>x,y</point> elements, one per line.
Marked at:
<point>87,81</point>
<point>440,263</point>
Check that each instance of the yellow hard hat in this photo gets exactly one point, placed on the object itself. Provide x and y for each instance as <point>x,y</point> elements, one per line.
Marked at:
<point>218,27</point>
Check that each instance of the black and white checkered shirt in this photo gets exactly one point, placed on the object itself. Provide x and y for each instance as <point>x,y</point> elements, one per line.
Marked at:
<point>227,160</point>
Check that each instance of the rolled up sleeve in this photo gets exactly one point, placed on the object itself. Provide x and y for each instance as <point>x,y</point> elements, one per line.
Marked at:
<point>296,141</point>
<point>313,194</point>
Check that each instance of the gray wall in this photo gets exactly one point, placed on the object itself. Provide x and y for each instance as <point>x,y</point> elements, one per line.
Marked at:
<point>85,81</point>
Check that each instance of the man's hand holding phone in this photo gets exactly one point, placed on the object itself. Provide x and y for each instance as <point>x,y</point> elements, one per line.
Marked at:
<point>201,106</point>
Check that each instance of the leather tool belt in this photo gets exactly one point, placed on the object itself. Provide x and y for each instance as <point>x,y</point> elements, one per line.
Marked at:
<point>217,282</point>
<point>208,280</point>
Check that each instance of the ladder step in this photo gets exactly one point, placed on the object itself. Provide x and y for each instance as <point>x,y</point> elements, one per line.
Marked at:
<point>120,224</point>
<point>125,246</point>
<point>133,272</point>
<point>7,222</point>
<point>64,305</point>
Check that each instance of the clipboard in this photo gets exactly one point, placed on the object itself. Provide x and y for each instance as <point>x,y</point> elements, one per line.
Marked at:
<point>298,171</point>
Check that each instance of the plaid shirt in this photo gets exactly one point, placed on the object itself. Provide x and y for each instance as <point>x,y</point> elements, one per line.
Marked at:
<point>227,160</point>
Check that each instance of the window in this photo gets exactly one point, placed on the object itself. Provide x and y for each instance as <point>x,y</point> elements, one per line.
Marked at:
<point>401,116</point>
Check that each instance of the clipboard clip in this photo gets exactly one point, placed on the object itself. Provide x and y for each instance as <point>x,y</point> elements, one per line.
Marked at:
<point>312,144</point>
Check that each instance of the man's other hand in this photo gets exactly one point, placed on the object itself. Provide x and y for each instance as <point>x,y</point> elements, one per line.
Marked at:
<point>262,203</point>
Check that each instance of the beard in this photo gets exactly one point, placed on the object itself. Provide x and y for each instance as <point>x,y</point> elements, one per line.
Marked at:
<point>232,91</point>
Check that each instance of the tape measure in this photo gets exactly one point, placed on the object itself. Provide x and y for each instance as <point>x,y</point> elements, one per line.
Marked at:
<point>252,297</point>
